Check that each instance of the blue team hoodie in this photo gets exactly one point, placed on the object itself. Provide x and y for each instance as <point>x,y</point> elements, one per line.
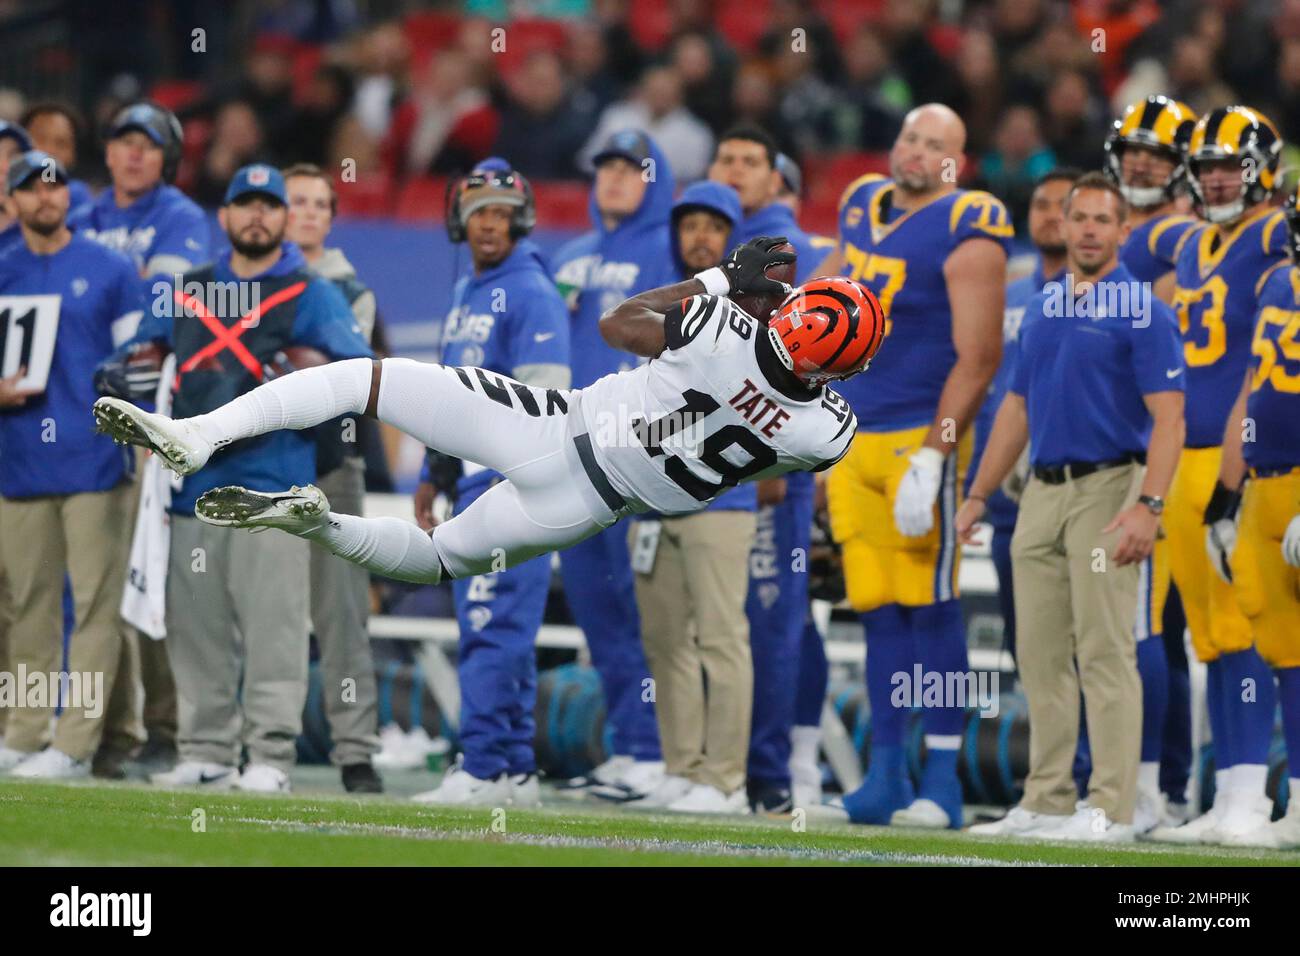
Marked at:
<point>778,220</point>
<point>723,200</point>
<point>531,329</point>
<point>603,267</point>
<point>164,221</point>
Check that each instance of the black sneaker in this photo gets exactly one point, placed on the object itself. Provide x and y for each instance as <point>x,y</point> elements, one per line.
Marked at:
<point>156,756</point>
<point>108,765</point>
<point>361,778</point>
<point>767,798</point>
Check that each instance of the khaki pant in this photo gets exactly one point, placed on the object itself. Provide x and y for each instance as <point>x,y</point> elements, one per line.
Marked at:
<point>6,616</point>
<point>696,639</point>
<point>87,536</point>
<point>1075,606</point>
<point>340,608</point>
<point>152,694</point>
<point>237,641</point>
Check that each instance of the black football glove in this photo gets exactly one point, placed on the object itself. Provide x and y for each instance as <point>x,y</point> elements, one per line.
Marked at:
<point>746,267</point>
<point>123,379</point>
<point>1221,529</point>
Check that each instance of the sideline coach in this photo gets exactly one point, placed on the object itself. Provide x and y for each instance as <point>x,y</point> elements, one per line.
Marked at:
<point>1097,391</point>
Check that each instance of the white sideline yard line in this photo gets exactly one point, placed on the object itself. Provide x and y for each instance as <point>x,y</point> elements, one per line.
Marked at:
<point>694,848</point>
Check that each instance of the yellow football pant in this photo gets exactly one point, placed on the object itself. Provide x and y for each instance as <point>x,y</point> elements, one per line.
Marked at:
<point>1216,621</point>
<point>881,565</point>
<point>1268,589</point>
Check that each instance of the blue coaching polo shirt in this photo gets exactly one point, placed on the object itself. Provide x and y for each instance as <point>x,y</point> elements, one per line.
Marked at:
<point>1086,360</point>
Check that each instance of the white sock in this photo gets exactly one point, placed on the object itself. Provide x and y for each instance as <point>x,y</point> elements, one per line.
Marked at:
<point>805,742</point>
<point>298,400</point>
<point>1149,776</point>
<point>389,546</point>
<point>1293,801</point>
<point>1249,778</point>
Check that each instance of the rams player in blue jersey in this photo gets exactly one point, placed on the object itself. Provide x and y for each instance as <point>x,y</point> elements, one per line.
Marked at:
<point>1233,159</point>
<point>935,256</point>
<point>1265,565</point>
<point>1146,157</point>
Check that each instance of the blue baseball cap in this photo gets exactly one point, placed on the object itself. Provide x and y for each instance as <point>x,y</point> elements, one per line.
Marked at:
<point>630,144</point>
<point>257,179</point>
<point>791,177</point>
<point>34,162</point>
<point>17,134</point>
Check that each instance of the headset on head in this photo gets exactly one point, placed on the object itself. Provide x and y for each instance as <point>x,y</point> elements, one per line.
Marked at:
<point>522,218</point>
<point>172,148</point>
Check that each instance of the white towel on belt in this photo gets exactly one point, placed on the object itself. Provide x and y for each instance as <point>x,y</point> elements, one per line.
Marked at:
<point>144,598</point>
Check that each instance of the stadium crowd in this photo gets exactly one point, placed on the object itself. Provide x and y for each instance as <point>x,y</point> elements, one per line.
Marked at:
<point>1102,134</point>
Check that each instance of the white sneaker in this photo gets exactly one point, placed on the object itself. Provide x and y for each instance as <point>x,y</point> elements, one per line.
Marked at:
<point>391,754</point>
<point>1283,834</point>
<point>400,750</point>
<point>10,758</point>
<point>460,788</point>
<point>805,784</point>
<point>832,811</point>
<point>605,776</point>
<point>51,764</point>
<point>525,791</point>
<point>1195,831</point>
<point>670,789</point>
<point>702,798</point>
<point>633,781</point>
<point>263,778</point>
<point>922,813</point>
<point>177,443</point>
<point>1020,822</point>
<point>1246,812</point>
<point>197,773</point>
<point>1149,811</point>
<point>297,510</point>
<point>1090,825</point>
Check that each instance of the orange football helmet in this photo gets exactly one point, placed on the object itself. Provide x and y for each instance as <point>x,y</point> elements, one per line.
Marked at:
<point>827,329</point>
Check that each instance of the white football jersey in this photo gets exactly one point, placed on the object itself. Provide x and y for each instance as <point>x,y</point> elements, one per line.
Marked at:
<point>675,433</point>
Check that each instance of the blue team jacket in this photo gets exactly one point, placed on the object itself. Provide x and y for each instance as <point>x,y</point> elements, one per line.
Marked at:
<point>49,446</point>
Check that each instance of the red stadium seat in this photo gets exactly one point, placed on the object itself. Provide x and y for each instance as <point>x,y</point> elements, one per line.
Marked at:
<point>825,177</point>
<point>431,30</point>
<point>525,37</point>
<point>649,21</point>
<point>562,205</point>
<point>176,94</point>
<point>370,195</point>
<point>845,16</point>
<point>742,22</point>
<point>421,200</point>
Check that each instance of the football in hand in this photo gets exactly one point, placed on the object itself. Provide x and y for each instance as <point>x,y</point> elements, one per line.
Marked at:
<point>291,358</point>
<point>761,306</point>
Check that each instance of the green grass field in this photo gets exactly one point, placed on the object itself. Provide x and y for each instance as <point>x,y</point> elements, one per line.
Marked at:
<point>121,824</point>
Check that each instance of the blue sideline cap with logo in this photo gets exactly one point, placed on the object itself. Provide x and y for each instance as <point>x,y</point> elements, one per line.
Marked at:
<point>33,163</point>
<point>629,144</point>
<point>258,179</point>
